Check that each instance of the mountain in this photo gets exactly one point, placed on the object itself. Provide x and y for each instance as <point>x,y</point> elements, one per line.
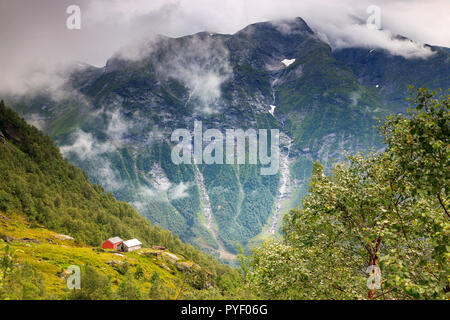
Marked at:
<point>42,195</point>
<point>116,122</point>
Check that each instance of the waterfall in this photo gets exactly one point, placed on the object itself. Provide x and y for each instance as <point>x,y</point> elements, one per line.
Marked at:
<point>207,211</point>
<point>284,188</point>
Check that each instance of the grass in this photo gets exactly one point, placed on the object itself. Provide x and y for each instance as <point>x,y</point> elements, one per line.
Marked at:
<point>52,256</point>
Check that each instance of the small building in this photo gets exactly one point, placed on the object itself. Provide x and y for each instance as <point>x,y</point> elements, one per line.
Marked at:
<point>112,243</point>
<point>131,245</point>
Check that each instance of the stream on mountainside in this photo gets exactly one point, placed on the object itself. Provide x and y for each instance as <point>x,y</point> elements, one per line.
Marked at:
<point>207,211</point>
<point>284,188</point>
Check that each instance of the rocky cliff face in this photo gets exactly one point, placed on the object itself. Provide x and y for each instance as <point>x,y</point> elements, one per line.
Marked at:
<point>278,74</point>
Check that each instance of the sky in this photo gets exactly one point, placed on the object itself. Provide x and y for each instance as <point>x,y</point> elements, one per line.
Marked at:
<point>36,47</point>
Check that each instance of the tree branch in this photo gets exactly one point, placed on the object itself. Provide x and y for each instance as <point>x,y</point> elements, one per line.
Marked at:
<point>382,294</point>
<point>442,204</point>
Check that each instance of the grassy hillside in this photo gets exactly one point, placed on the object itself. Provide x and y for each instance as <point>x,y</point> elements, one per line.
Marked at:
<point>40,260</point>
<point>39,184</point>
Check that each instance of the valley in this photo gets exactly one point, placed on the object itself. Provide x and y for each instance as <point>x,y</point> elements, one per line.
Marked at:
<point>324,101</point>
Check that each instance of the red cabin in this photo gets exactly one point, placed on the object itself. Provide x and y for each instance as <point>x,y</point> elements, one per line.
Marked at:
<point>112,243</point>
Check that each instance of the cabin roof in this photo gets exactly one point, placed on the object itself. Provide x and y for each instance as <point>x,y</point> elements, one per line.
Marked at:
<point>115,240</point>
<point>132,243</point>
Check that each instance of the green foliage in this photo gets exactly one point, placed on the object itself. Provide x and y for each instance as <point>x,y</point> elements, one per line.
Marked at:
<point>6,262</point>
<point>139,273</point>
<point>94,286</point>
<point>22,283</point>
<point>39,182</point>
<point>155,289</point>
<point>386,210</point>
<point>19,282</point>
<point>128,289</point>
<point>420,142</point>
<point>122,268</point>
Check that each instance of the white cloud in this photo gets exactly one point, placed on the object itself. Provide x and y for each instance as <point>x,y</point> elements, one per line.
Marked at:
<point>35,120</point>
<point>117,126</point>
<point>86,146</point>
<point>107,175</point>
<point>143,196</point>
<point>179,191</point>
<point>36,43</point>
<point>345,36</point>
<point>92,151</point>
<point>201,64</point>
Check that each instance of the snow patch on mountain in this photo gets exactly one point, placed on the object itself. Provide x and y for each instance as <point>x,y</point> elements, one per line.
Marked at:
<point>288,62</point>
<point>272,109</point>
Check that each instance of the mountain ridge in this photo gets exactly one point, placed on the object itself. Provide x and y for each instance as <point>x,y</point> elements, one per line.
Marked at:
<point>325,102</point>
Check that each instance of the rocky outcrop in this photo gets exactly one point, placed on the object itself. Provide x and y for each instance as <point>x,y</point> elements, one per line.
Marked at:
<point>3,140</point>
<point>63,237</point>
<point>187,266</point>
<point>7,238</point>
<point>171,257</point>
<point>30,240</point>
<point>159,248</point>
<point>114,263</point>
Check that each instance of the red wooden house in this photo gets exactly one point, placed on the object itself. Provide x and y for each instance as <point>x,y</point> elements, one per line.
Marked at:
<point>112,243</point>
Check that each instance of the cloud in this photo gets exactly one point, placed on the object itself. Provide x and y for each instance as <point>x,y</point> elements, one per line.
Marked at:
<point>358,35</point>
<point>162,192</point>
<point>179,191</point>
<point>86,146</point>
<point>93,152</point>
<point>201,63</point>
<point>117,126</point>
<point>108,177</point>
<point>36,46</point>
<point>142,197</point>
<point>35,120</point>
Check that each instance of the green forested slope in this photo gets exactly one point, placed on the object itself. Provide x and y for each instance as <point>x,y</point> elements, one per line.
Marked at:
<point>37,181</point>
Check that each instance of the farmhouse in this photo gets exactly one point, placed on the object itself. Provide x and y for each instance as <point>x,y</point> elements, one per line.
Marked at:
<point>131,245</point>
<point>112,243</point>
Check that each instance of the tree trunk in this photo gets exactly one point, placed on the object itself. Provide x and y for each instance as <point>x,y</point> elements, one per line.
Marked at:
<point>374,263</point>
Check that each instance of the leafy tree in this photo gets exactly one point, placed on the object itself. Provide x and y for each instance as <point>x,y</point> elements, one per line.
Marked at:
<point>420,144</point>
<point>7,262</point>
<point>22,283</point>
<point>94,286</point>
<point>123,267</point>
<point>155,291</point>
<point>385,210</point>
<point>139,274</point>
<point>128,290</point>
